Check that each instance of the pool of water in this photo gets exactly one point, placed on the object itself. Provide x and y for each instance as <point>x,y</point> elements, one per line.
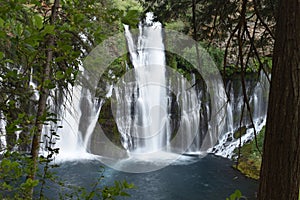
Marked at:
<point>191,178</point>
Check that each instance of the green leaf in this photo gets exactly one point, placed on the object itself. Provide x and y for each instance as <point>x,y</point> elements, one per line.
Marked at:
<point>1,55</point>
<point>7,187</point>
<point>1,22</point>
<point>131,18</point>
<point>19,29</point>
<point>49,29</point>
<point>124,194</point>
<point>236,195</point>
<point>59,75</point>
<point>38,21</point>
<point>48,84</point>
<point>21,115</point>
<point>30,183</point>
<point>5,162</point>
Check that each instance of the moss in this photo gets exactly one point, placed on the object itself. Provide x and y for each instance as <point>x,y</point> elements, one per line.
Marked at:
<point>108,124</point>
<point>240,132</point>
<point>250,157</point>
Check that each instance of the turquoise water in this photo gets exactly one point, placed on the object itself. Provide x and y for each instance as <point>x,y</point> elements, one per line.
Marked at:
<point>209,178</point>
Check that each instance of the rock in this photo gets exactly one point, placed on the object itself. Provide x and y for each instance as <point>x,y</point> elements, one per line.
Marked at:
<point>240,132</point>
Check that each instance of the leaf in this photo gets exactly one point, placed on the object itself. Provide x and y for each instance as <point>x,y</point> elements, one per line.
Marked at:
<point>1,22</point>
<point>5,162</point>
<point>236,195</point>
<point>49,29</point>
<point>124,194</point>
<point>19,29</point>
<point>1,55</point>
<point>21,115</point>
<point>131,18</point>
<point>48,84</point>
<point>38,21</point>
<point>59,75</point>
<point>30,183</point>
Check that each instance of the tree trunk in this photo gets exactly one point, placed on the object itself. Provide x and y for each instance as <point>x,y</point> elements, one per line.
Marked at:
<point>44,93</point>
<point>280,174</point>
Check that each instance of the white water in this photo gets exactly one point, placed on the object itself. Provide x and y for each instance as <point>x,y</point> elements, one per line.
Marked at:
<point>258,99</point>
<point>149,126</point>
<point>3,144</point>
<point>145,103</point>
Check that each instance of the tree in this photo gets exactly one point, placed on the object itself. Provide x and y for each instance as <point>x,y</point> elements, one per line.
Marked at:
<point>280,173</point>
<point>44,93</point>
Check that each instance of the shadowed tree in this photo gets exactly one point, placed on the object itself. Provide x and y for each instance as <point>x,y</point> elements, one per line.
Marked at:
<point>280,174</point>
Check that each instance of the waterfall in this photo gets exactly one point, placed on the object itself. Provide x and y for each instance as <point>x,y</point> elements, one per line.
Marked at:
<point>157,111</point>
<point>78,115</point>
<point>149,122</point>
<point>257,93</point>
<point>149,94</point>
<point>3,144</point>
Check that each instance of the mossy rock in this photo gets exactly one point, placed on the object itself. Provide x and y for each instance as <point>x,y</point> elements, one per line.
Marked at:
<point>250,167</point>
<point>240,132</point>
<point>250,158</point>
<point>108,124</point>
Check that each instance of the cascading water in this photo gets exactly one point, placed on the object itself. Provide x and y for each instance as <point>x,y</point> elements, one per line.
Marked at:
<point>149,120</point>
<point>72,142</point>
<point>2,133</point>
<point>78,118</point>
<point>257,93</point>
<point>147,100</point>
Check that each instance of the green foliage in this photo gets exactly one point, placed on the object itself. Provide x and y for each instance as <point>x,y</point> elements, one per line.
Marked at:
<point>250,160</point>
<point>13,184</point>
<point>131,18</point>
<point>207,56</point>
<point>237,195</point>
<point>116,190</point>
<point>128,5</point>
<point>216,23</point>
<point>265,61</point>
<point>177,25</point>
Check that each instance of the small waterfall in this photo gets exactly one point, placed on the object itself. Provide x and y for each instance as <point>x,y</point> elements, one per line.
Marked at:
<point>261,96</point>
<point>257,93</point>
<point>78,113</point>
<point>3,144</point>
